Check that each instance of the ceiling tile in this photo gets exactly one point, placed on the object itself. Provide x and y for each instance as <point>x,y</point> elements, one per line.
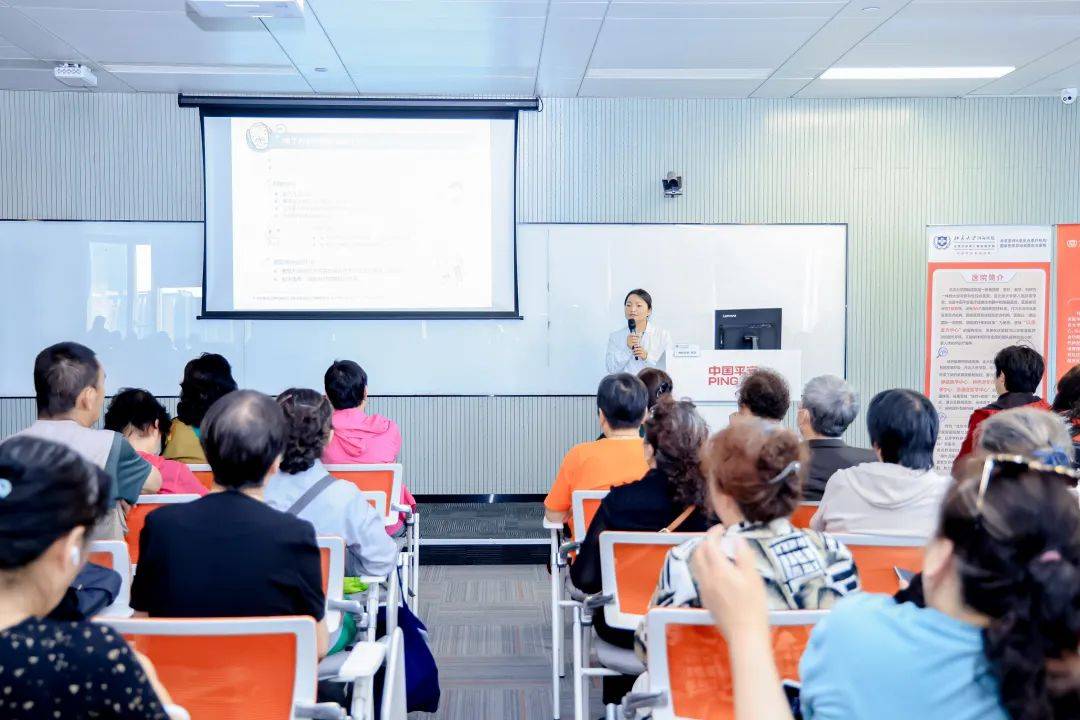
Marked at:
<point>162,37</point>
<point>700,43</point>
<point>429,44</point>
<point>593,87</point>
<point>682,9</point>
<point>197,83</point>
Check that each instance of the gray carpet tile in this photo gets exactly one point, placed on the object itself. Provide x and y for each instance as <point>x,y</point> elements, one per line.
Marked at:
<point>491,637</point>
<point>482,520</point>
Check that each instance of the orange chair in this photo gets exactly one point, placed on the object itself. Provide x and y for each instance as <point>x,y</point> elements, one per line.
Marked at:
<point>689,668</point>
<point>332,558</point>
<point>630,566</point>
<point>137,518</point>
<point>113,554</point>
<point>801,517</point>
<point>583,507</point>
<point>254,668</point>
<point>203,474</point>
<point>387,479</point>
<point>584,504</point>
<point>879,556</point>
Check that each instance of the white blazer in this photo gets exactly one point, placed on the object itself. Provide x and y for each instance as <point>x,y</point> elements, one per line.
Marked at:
<point>655,340</point>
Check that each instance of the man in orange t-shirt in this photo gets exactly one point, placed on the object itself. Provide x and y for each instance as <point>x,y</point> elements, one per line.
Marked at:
<point>615,459</point>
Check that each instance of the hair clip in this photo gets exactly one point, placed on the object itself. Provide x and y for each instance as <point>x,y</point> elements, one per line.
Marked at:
<point>1053,456</point>
<point>5,488</point>
<point>792,466</point>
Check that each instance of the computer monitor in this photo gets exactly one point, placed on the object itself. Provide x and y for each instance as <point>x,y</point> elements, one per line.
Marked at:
<point>748,329</point>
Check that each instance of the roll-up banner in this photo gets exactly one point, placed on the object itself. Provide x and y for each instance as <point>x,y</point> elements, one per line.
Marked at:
<point>988,287</point>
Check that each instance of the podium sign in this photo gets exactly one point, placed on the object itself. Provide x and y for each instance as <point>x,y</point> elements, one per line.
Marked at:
<point>714,376</point>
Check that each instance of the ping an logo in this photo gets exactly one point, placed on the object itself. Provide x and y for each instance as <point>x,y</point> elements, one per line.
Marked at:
<point>1072,243</point>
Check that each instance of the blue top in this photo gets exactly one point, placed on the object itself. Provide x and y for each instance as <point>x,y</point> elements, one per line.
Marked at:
<point>874,658</point>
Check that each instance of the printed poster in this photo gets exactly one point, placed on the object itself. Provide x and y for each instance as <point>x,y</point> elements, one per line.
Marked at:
<point>1068,299</point>
<point>987,287</point>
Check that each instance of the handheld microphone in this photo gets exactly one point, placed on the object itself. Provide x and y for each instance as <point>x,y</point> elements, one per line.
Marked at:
<point>632,324</point>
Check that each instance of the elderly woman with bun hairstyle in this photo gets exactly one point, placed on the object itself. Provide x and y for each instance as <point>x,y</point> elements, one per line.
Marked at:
<point>753,473</point>
<point>50,498</point>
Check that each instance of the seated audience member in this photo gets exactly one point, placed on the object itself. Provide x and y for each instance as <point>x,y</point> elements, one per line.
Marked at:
<point>50,499</point>
<point>1000,577</point>
<point>900,494</point>
<point>1067,405</point>
<point>670,497</point>
<point>1037,435</point>
<point>1018,370</point>
<point>658,384</point>
<point>359,437</point>
<point>69,384</point>
<point>229,554</point>
<point>763,394</point>
<point>615,459</point>
<point>827,408</point>
<point>139,417</point>
<point>334,507</point>
<point>206,378</point>
<point>752,469</point>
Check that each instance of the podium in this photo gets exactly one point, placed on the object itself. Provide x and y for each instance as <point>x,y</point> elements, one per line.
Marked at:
<point>711,378</point>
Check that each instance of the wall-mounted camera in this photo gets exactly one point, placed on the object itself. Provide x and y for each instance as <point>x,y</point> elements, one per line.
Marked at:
<point>1068,95</point>
<point>672,185</point>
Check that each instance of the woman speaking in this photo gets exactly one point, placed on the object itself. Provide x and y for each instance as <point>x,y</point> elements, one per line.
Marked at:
<point>641,343</point>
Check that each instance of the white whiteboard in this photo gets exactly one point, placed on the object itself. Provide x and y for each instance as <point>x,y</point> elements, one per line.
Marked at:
<point>143,280</point>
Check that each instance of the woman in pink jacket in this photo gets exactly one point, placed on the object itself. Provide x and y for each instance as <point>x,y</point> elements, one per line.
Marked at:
<point>359,437</point>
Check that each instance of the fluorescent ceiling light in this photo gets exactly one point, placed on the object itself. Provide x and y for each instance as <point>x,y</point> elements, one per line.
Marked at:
<point>149,69</point>
<point>916,73</point>
<point>678,73</point>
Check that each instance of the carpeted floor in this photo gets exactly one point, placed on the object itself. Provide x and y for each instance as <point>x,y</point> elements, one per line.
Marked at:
<point>490,631</point>
<point>482,520</point>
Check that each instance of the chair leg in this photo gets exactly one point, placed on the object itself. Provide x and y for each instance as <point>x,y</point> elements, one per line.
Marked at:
<point>556,634</point>
<point>416,560</point>
<point>579,680</point>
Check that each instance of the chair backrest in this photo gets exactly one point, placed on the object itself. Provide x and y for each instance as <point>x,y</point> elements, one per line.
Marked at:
<point>113,554</point>
<point>203,474</point>
<point>584,504</point>
<point>801,517</point>
<point>878,556</point>
<point>226,668</point>
<point>393,696</point>
<point>630,565</point>
<point>137,518</point>
<point>332,558</point>
<point>383,477</point>
<point>378,500</point>
<point>689,662</point>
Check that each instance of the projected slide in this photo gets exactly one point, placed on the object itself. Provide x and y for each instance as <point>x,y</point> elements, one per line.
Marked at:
<point>359,214</point>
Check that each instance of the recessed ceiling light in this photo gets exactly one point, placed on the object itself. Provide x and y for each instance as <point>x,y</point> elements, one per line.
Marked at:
<point>869,9</point>
<point>916,73</point>
<point>678,73</point>
<point>320,69</point>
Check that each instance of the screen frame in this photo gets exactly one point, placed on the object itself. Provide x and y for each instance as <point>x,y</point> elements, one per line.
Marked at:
<point>250,107</point>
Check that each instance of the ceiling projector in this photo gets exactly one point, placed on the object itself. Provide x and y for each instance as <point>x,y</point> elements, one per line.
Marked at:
<point>247,8</point>
<point>75,75</point>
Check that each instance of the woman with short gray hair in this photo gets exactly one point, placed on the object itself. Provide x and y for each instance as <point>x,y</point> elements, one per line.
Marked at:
<point>828,406</point>
<point>1036,434</point>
